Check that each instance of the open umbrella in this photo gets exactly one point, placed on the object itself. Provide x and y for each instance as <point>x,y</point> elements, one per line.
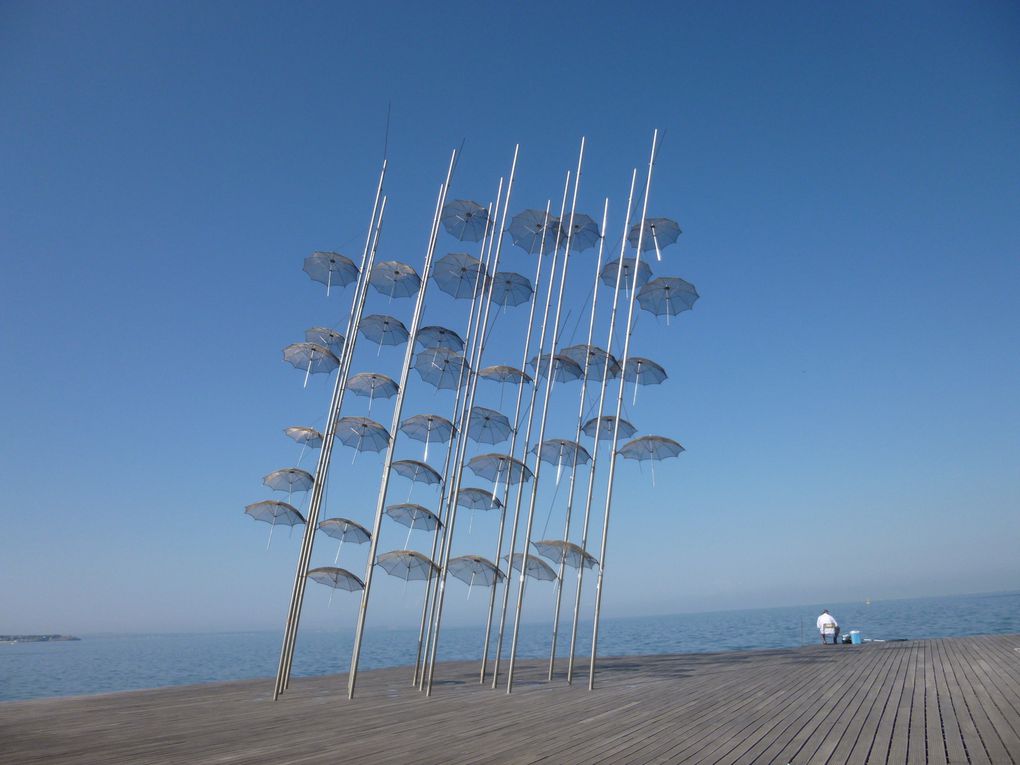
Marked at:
<point>477,499</point>
<point>561,452</point>
<point>439,337</point>
<point>273,512</point>
<point>417,472</point>
<point>658,233</point>
<point>427,428</point>
<point>345,530</point>
<point>652,448</point>
<point>289,480</point>
<point>565,369</point>
<point>330,268</point>
<point>474,569</point>
<point>309,438</point>
<point>464,219</point>
<point>414,517</point>
<point>327,337</point>
<point>565,552</point>
<point>336,579</point>
<point>407,565</point>
<point>440,367</point>
<point>608,273</point>
<point>459,275</point>
<point>487,426</point>
<point>667,296</point>
<point>384,330</point>
<point>606,428</point>
<point>373,385</point>
<point>510,289</point>
<point>585,233</point>
<point>394,279</point>
<point>534,567</point>
<point>595,358</point>
<point>527,229</point>
<point>361,434</point>
<point>642,371</point>
<point>502,374</point>
<point>498,468</point>
<point>311,357</point>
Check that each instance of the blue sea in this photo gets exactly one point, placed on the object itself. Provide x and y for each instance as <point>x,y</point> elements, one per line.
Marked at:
<point>105,663</point>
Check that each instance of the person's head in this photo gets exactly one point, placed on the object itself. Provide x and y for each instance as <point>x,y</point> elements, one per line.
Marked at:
<point>825,610</point>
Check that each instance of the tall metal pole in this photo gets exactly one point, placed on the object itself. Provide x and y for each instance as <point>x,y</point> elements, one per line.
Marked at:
<point>513,447</point>
<point>598,429</point>
<point>577,440</point>
<point>322,468</point>
<point>619,412</point>
<point>537,470</point>
<point>395,423</point>
<point>473,386</point>
<point>527,433</point>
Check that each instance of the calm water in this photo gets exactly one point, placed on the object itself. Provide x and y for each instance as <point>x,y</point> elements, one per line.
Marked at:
<point>99,664</point>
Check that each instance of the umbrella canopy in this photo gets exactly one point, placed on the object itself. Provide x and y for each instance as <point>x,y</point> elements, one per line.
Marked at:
<point>414,516</point>
<point>643,371</point>
<point>440,367</point>
<point>459,275</point>
<point>309,437</point>
<point>345,530</point>
<point>606,428</point>
<point>474,569</point>
<point>394,279</point>
<point>417,471</point>
<point>464,219</point>
<point>658,233</point>
<point>534,567</point>
<point>330,268</point>
<point>667,296</point>
<point>276,513</point>
<point>595,358</point>
<point>327,337</point>
<point>439,337</point>
<point>312,358</point>
<point>487,426</point>
<point>502,373</point>
<point>407,564</point>
<point>561,452</point>
<point>527,229</point>
<point>510,289</point>
<point>289,480</point>
<point>373,385</point>
<point>477,499</point>
<point>361,433</point>
<point>565,552</point>
<point>383,329</point>
<point>608,273</point>
<point>337,578</point>
<point>427,428</point>
<point>585,232</point>
<point>565,369</point>
<point>499,467</point>
<point>650,448</point>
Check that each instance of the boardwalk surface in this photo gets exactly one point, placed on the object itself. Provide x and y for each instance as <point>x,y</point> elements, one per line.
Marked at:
<point>931,701</point>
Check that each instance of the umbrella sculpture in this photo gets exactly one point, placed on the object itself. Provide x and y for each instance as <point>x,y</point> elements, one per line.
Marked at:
<point>459,275</point>
<point>464,219</point>
<point>427,428</point>
<point>477,499</point>
<point>650,448</point>
<point>345,530</point>
<point>608,273</point>
<point>502,374</point>
<point>330,338</point>
<point>535,567</point>
<point>289,480</point>
<point>440,367</point>
<point>487,426</point>
<point>417,472</point>
<point>499,467</point>
<point>472,569</point>
<point>362,434</point>
<point>510,289</point>
<point>560,452</point>
<point>658,233</point>
<point>336,579</point>
<point>408,565</point>
<point>527,228</point>
<point>439,337</point>
<point>383,330</point>
<point>330,268</point>
<point>565,552</point>
<point>311,357</point>
<point>585,233</point>
<point>309,438</point>
<point>565,369</point>
<point>607,426</point>
<point>394,279</point>
<point>596,358</point>
<point>642,371</point>
<point>273,512</point>
<point>667,296</point>
<point>373,385</point>
<point>414,517</point>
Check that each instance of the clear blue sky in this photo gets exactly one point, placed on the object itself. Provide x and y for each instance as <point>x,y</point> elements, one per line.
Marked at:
<point>848,388</point>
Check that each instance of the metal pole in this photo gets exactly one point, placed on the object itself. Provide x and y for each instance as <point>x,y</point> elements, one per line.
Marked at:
<point>297,593</point>
<point>598,430</point>
<point>577,440</point>
<point>397,411</point>
<point>513,447</point>
<point>527,433</point>
<point>541,431</point>
<point>619,412</point>
<point>473,387</point>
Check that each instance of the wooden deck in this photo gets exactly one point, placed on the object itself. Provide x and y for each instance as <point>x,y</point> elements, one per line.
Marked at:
<point>932,701</point>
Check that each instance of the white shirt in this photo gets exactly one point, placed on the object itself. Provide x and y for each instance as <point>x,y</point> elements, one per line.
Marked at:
<point>826,621</point>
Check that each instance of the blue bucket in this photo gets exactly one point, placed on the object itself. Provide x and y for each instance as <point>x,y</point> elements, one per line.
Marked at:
<point>855,637</point>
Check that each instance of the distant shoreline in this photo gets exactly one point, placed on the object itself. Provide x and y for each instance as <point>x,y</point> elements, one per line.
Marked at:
<point>36,638</point>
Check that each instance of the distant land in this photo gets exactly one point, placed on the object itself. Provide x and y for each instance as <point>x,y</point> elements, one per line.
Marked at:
<point>35,638</point>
